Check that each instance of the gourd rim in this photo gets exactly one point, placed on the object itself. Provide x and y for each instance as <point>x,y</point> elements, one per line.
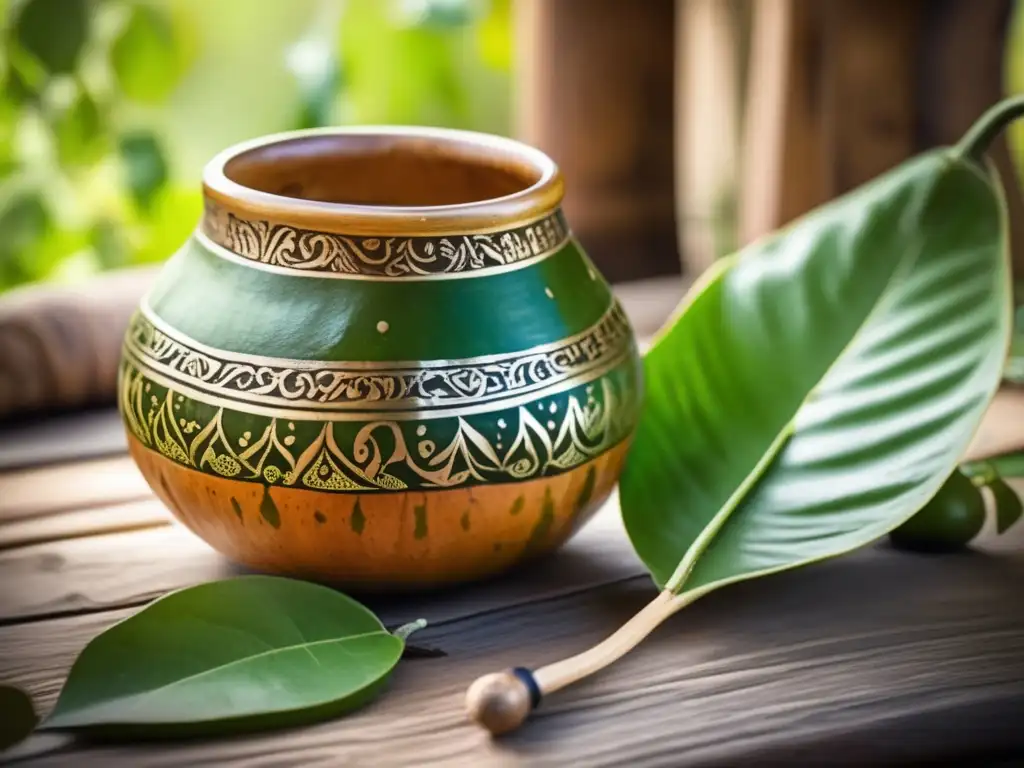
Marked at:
<point>541,194</point>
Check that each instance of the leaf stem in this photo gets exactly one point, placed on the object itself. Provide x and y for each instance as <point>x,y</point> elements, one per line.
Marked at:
<point>976,141</point>
<point>501,702</point>
<point>403,632</point>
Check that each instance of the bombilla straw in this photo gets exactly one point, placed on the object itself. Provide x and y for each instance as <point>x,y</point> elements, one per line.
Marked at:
<point>502,701</point>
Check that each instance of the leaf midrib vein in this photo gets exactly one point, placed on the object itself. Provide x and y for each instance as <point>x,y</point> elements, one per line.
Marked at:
<point>284,649</point>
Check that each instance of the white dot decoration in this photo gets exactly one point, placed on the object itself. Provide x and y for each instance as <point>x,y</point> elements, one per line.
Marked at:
<point>291,425</point>
<point>501,424</point>
<point>551,425</point>
<point>421,430</point>
<point>550,295</point>
<point>289,439</point>
<point>382,326</point>
<point>553,408</point>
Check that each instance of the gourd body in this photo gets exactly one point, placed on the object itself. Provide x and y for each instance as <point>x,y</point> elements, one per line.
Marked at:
<point>317,390</point>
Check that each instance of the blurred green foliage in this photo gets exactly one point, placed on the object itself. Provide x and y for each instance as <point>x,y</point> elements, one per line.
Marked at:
<point>110,108</point>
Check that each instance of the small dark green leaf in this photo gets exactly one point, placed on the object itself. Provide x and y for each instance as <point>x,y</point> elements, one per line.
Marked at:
<point>9,118</point>
<point>145,166</point>
<point>250,652</point>
<point>25,77</point>
<point>79,131</point>
<point>1008,504</point>
<point>24,223</point>
<point>948,522</point>
<point>145,57</point>
<point>107,241</point>
<point>54,32</point>
<point>319,94</point>
<point>17,716</point>
<point>445,14</point>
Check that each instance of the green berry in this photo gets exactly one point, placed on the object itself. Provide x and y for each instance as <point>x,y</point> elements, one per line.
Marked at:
<point>948,522</point>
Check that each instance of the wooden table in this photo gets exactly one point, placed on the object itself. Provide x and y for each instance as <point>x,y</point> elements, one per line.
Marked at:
<point>874,657</point>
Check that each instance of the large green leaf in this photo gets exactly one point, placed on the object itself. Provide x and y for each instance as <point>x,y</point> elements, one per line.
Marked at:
<point>249,652</point>
<point>17,716</point>
<point>821,384</point>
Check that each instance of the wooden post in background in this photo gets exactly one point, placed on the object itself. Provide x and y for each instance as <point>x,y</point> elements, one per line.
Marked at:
<point>782,155</point>
<point>962,73</point>
<point>710,44</point>
<point>595,91</point>
<point>840,92</point>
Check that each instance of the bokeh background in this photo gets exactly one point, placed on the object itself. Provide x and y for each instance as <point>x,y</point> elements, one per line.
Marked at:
<point>110,108</point>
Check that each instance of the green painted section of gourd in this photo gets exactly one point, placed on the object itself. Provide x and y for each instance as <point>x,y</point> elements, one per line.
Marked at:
<point>238,308</point>
<point>546,436</point>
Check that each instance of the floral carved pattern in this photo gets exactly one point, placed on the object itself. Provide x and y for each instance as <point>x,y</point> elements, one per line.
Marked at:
<point>547,436</point>
<point>397,386</point>
<point>309,251</point>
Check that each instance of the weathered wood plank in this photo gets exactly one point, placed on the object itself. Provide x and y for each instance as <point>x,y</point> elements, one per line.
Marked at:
<point>110,571</point>
<point>78,523</point>
<point>873,657</point>
<point>76,436</point>
<point>73,486</point>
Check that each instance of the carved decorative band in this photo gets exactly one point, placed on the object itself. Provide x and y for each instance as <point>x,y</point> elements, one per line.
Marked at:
<point>418,388</point>
<point>326,254</point>
<point>545,437</point>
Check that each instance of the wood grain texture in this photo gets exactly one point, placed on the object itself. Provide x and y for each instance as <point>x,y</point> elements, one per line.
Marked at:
<point>44,491</point>
<point>783,163</point>
<point>594,90</point>
<point>80,523</point>
<point>869,112</point>
<point>59,346</point>
<point>108,571</point>
<point>830,664</point>
<point>60,438</point>
<point>710,45</point>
